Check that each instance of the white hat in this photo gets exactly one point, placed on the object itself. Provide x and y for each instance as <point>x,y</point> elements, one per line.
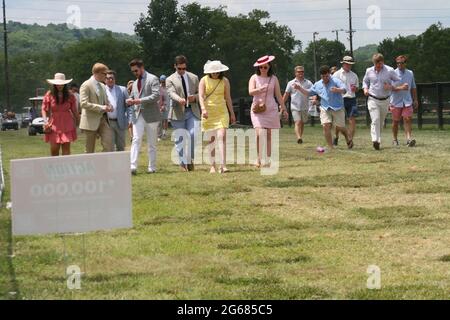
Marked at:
<point>60,79</point>
<point>214,66</point>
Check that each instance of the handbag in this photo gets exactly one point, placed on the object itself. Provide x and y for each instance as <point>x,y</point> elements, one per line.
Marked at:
<point>261,107</point>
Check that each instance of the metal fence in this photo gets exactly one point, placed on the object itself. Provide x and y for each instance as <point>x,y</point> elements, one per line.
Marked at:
<point>434,107</point>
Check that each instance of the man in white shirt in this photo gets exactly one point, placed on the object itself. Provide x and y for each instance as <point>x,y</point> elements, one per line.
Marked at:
<point>118,117</point>
<point>351,81</point>
<point>299,102</point>
<point>378,84</point>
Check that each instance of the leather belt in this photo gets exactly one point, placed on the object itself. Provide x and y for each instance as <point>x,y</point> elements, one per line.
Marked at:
<point>380,99</point>
<point>112,119</point>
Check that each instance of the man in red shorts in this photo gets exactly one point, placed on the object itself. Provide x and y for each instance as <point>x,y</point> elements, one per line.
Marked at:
<point>403,101</point>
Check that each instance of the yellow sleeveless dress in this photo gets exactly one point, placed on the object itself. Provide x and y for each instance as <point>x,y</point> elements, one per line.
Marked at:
<point>215,105</point>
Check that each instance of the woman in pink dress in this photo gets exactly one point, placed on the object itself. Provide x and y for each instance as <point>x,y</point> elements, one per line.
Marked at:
<point>60,108</point>
<point>264,87</point>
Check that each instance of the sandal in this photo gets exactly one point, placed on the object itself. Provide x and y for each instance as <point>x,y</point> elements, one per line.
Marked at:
<point>223,170</point>
<point>350,144</point>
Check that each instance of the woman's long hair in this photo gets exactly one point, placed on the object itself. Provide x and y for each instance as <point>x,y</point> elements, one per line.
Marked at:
<point>65,94</point>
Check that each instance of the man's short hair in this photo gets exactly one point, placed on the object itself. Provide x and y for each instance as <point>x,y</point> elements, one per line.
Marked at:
<point>299,68</point>
<point>377,57</point>
<point>111,72</point>
<point>180,60</point>
<point>99,68</point>
<point>324,70</point>
<point>136,62</point>
<point>402,56</point>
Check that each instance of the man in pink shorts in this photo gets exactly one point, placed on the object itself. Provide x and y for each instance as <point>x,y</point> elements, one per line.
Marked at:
<point>403,101</point>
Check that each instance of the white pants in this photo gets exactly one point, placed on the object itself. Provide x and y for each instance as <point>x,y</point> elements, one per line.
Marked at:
<point>138,134</point>
<point>378,111</point>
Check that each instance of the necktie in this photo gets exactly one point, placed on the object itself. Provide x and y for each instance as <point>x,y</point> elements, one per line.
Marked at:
<point>101,98</point>
<point>184,90</point>
<point>140,84</point>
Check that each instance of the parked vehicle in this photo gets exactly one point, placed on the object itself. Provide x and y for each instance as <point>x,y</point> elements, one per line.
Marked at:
<point>9,122</point>
<point>37,122</point>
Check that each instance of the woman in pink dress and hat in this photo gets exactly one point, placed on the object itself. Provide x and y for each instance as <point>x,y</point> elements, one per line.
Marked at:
<point>60,108</point>
<point>264,87</point>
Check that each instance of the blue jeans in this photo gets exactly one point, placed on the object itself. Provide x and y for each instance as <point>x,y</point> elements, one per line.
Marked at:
<point>192,125</point>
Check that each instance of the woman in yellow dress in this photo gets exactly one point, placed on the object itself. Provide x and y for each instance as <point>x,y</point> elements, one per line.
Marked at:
<point>217,109</point>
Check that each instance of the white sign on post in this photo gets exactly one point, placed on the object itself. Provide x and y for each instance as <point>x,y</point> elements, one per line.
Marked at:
<point>71,194</point>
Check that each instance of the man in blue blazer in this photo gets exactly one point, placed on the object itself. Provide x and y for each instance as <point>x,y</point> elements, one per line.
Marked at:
<point>118,118</point>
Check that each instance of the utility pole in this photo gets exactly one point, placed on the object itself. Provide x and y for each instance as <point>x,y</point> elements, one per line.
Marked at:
<point>337,33</point>
<point>350,30</point>
<point>5,38</point>
<point>314,53</point>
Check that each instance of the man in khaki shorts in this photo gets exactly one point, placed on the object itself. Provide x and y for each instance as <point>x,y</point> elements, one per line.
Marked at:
<point>299,102</point>
<point>332,112</point>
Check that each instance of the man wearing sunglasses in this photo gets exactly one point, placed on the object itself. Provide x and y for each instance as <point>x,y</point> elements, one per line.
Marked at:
<point>144,99</point>
<point>403,100</point>
<point>182,87</point>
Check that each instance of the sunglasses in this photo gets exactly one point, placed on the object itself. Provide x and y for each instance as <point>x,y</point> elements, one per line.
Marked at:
<point>401,62</point>
<point>135,70</point>
<point>264,67</point>
<point>181,69</point>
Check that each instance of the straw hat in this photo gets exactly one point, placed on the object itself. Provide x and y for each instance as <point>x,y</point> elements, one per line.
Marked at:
<point>348,60</point>
<point>214,67</point>
<point>59,80</point>
<point>263,60</point>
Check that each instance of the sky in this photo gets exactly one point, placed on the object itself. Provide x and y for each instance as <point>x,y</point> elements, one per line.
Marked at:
<point>373,20</point>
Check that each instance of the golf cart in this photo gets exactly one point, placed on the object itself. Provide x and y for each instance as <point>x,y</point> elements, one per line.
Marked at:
<point>9,121</point>
<point>37,122</point>
<point>26,118</point>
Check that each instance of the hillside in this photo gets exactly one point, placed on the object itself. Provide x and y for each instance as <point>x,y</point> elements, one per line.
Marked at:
<point>53,37</point>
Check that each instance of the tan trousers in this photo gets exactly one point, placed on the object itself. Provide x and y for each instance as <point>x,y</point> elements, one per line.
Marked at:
<point>378,111</point>
<point>106,137</point>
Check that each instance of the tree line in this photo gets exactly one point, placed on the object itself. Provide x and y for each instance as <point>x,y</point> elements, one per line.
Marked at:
<point>201,33</point>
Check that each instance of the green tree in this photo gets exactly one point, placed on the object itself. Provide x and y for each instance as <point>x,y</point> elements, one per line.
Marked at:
<point>161,34</point>
<point>327,53</point>
<point>76,60</point>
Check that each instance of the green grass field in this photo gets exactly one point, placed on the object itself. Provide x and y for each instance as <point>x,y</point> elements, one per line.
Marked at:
<point>309,232</point>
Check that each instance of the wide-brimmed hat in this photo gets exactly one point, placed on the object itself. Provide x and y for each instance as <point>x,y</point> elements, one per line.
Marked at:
<point>214,67</point>
<point>59,80</point>
<point>263,60</point>
<point>348,60</point>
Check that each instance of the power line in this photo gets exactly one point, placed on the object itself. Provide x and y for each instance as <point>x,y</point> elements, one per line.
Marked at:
<point>5,39</point>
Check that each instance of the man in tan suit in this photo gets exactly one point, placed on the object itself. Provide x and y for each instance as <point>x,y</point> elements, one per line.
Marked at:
<point>182,87</point>
<point>94,107</point>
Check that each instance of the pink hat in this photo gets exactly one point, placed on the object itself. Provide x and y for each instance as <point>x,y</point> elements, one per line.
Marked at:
<point>263,60</point>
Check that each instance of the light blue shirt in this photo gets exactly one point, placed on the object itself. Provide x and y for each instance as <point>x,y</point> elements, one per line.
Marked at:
<point>403,98</point>
<point>374,81</point>
<point>328,99</point>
